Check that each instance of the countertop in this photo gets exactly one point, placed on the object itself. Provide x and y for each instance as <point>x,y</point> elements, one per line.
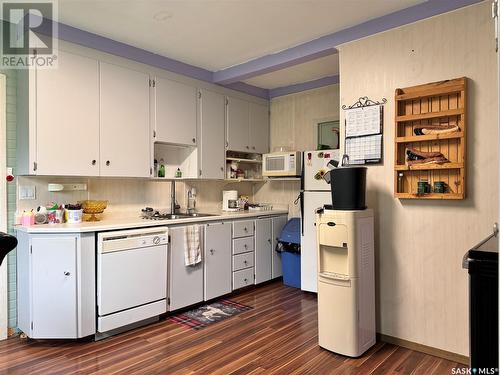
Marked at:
<point>131,221</point>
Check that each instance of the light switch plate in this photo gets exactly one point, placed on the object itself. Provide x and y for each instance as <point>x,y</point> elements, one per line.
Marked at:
<point>27,192</point>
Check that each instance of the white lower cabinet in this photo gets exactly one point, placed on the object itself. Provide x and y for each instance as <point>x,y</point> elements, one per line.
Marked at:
<point>56,285</point>
<point>243,278</point>
<point>278,223</point>
<point>185,282</point>
<point>217,260</point>
<point>263,250</point>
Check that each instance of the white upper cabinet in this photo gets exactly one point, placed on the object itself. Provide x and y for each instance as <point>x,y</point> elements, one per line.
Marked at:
<point>124,114</point>
<point>175,112</point>
<point>212,125</point>
<point>67,118</point>
<point>247,126</point>
<point>259,128</point>
<point>237,125</point>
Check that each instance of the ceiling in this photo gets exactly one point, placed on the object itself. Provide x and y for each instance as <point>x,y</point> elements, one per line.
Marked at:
<point>216,34</point>
<point>308,71</point>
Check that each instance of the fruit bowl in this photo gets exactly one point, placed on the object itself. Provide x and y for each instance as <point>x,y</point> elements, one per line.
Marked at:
<point>93,208</point>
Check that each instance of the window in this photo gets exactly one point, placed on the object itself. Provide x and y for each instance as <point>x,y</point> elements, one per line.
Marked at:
<point>328,135</point>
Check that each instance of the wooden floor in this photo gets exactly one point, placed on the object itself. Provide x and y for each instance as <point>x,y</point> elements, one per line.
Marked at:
<point>278,336</point>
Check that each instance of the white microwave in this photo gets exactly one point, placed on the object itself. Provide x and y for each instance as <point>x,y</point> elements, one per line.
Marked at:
<point>282,164</point>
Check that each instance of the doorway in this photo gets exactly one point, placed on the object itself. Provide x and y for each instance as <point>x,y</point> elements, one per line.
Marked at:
<point>3,204</point>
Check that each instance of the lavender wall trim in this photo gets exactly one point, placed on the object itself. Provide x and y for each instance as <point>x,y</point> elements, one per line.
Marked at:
<point>326,45</point>
<point>248,89</point>
<point>103,44</point>
<point>325,81</point>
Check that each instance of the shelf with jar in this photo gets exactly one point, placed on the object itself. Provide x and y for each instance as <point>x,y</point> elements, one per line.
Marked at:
<point>241,166</point>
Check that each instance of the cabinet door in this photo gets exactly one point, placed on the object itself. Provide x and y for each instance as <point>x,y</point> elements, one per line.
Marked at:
<point>263,249</point>
<point>175,108</point>
<point>67,117</point>
<point>54,287</point>
<point>237,125</point>
<point>278,224</point>
<point>259,128</point>
<point>185,282</point>
<point>217,260</point>
<point>212,125</point>
<point>124,135</point>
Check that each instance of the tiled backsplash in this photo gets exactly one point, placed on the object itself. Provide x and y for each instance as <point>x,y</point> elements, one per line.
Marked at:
<point>128,196</point>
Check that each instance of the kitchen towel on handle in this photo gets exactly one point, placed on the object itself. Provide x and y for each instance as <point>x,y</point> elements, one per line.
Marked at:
<point>192,248</point>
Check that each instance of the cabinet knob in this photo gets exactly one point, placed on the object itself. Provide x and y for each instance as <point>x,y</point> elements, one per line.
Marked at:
<point>245,280</point>
<point>222,169</point>
<point>94,161</point>
<point>66,273</point>
<point>245,262</point>
<point>247,147</point>
<point>245,229</point>
<point>245,246</point>
<point>269,240</point>
<point>253,147</point>
<point>212,251</point>
<point>108,163</point>
<point>194,140</point>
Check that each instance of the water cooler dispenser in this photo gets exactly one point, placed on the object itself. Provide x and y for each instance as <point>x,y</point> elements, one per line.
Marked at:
<point>346,281</point>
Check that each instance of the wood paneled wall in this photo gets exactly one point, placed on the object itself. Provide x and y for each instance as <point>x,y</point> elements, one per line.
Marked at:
<point>421,286</point>
<point>294,119</point>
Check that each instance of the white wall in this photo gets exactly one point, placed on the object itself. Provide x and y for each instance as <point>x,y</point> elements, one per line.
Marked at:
<point>421,286</point>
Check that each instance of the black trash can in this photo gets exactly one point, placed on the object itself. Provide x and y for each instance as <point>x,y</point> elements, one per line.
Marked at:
<point>348,186</point>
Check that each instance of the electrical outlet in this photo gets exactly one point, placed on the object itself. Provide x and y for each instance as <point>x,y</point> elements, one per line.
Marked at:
<point>27,192</point>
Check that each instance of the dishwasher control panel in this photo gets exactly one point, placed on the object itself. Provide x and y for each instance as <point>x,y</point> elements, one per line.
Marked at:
<point>132,239</point>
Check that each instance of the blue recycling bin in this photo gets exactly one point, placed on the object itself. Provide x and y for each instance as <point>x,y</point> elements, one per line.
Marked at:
<point>289,247</point>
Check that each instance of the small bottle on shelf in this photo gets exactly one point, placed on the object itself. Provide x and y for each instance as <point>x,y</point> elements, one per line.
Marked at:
<point>400,182</point>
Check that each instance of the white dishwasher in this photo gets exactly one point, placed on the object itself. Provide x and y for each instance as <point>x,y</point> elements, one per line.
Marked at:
<point>131,277</point>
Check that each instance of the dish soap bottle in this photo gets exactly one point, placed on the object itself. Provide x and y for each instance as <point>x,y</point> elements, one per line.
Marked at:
<point>178,173</point>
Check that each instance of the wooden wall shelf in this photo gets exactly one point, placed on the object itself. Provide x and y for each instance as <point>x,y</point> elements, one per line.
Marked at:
<point>435,104</point>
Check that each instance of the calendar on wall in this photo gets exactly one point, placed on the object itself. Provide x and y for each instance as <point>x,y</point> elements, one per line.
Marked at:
<point>363,131</point>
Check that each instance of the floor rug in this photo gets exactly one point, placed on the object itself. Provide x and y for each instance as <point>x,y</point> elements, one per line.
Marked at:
<point>205,315</point>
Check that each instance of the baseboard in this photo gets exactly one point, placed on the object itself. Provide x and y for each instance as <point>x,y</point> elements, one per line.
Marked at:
<point>424,349</point>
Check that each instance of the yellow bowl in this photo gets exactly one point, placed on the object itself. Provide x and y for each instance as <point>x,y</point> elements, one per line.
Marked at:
<point>93,208</point>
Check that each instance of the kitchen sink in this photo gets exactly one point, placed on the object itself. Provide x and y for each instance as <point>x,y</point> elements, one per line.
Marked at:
<point>184,215</point>
<point>194,214</point>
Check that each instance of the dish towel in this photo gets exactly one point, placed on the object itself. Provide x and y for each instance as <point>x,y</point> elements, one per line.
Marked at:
<point>192,248</point>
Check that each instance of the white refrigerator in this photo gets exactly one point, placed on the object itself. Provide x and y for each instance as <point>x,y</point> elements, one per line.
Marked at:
<point>316,193</point>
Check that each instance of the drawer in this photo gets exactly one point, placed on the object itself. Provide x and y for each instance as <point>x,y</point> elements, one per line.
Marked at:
<point>242,228</point>
<point>242,278</point>
<point>242,261</point>
<point>243,245</point>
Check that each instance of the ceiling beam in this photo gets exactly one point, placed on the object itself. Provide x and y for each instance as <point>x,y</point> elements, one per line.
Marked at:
<point>327,44</point>
<point>292,89</point>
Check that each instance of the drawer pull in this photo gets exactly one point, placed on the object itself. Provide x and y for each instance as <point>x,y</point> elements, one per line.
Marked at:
<point>245,246</point>
<point>66,273</point>
<point>331,224</point>
<point>245,229</point>
<point>245,280</point>
<point>269,240</point>
<point>212,251</point>
<point>245,262</point>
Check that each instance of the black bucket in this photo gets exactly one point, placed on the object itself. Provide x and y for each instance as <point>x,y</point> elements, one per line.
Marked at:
<point>348,188</point>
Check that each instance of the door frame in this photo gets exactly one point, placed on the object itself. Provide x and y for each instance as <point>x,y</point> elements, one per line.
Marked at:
<point>3,205</point>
